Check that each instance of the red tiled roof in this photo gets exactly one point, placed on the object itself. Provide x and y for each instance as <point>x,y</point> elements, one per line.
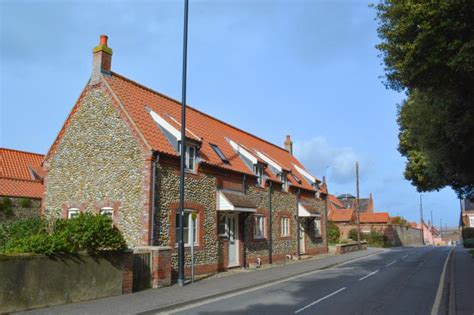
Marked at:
<point>18,164</point>
<point>377,217</point>
<point>335,201</point>
<point>17,170</point>
<point>21,188</point>
<point>135,99</point>
<point>341,215</point>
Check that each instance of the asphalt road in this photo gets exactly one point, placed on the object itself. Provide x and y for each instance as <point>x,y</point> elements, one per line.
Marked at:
<point>400,281</point>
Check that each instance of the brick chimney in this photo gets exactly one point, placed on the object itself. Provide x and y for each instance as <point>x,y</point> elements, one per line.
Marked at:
<point>102,60</point>
<point>370,206</point>
<point>289,144</point>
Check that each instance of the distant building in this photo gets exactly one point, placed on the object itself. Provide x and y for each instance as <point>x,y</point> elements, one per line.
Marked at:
<point>467,213</point>
<point>21,186</point>
<point>366,205</point>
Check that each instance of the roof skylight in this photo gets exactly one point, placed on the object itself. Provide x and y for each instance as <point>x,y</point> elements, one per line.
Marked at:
<point>220,153</point>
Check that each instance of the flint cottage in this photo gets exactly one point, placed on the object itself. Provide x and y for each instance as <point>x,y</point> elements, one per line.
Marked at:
<point>249,201</point>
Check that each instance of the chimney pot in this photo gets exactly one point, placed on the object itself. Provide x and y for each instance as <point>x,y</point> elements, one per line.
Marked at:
<point>103,40</point>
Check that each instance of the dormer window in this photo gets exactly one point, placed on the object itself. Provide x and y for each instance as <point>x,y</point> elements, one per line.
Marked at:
<point>258,171</point>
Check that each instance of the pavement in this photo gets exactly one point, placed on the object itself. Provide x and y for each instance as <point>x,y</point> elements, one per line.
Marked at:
<point>396,281</point>
<point>463,273</point>
<point>165,299</point>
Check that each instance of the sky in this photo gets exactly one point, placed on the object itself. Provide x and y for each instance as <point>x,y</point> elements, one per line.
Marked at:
<point>308,69</point>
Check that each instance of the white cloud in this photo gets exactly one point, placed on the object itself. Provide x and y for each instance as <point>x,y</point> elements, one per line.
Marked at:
<point>320,158</point>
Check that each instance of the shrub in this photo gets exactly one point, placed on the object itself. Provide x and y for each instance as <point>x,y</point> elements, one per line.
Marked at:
<point>375,238</point>
<point>469,243</point>
<point>86,232</point>
<point>90,232</point>
<point>25,202</point>
<point>6,206</point>
<point>468,232</point>
<point>20,229</point>
<point>353,234</point>
<point>333,232</point>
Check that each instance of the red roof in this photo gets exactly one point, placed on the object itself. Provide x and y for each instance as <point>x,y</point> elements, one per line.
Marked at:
<point>21,188</point>
<point>20,173</point>
<point>341,215</point>
<point>335,201</point>
<point>135,100</point>
<point>376,217</point>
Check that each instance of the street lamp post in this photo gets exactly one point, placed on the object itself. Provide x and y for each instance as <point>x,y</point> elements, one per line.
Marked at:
<point>182,152</point>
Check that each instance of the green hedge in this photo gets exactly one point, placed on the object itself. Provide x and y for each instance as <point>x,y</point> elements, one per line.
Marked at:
<point>86,232</point>
<point>373,238</point>
<point>467,232</point>
<point>469,243</point>
<point>333,232</point>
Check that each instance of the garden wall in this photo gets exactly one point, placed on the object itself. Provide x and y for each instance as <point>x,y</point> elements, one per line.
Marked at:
<point>397,235</point>
<point>33,281</point>
<point>19,208</point>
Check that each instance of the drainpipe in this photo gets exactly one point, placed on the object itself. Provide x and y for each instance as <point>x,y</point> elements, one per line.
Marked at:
<point>298,224</point>
<point>326,220</point>
<point>270,224</point>
<point>244,237</point>
<point>155,158</point>
<point>244,220</point>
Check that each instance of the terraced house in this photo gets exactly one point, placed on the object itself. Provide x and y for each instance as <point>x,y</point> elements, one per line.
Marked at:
<point>249,201</point>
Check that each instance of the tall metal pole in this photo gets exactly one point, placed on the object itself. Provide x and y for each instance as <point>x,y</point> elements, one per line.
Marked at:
<point>358,207</point>
<point>182,151</point>
<point>421,221</point>
<point>432,222</point>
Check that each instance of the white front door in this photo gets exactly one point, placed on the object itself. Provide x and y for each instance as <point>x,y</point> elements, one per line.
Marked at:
<point>302,238</point>
<point>233,237</point>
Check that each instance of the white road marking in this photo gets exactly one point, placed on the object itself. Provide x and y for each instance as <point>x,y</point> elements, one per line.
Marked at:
<point>404,256</point>
<point>437,301</point>
<point>369,275</point>
<point>320,300</point>
<point>388,265</point>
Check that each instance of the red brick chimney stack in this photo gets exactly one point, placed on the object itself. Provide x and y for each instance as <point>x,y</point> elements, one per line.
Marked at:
<point>102,60</point>
<point>289,144</point>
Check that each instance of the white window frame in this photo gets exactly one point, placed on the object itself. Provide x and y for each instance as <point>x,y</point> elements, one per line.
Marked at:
<point>188,214</point>
<point>258,170</point>
<point>190,160</point>
<point>221,224</point>
<point>284,180</point>
<point>73,212</point>
<point>109,211</point>
<point>285,227</point>
<point>259,227</point>
<point>317,227</point>
<point>471,221</point>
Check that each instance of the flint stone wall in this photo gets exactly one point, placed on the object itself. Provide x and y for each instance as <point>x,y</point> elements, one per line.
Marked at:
<point>21,208</point>
<point>98,159</point>
<point>200,189</point>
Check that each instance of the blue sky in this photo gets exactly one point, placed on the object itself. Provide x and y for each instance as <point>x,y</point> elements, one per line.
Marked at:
<point>305,68</point>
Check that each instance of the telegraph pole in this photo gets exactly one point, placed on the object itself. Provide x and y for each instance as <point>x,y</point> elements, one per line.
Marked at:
<point>421,221</point>
<point>357,205</point>
<point>182,151</point>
